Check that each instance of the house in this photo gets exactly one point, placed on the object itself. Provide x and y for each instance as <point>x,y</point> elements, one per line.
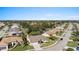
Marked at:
<point>52,32</point>
<point>14,30</point>
<point>13,41</point>
<point>2,24</point>
<point>36,40</point>
<point>77,26</point>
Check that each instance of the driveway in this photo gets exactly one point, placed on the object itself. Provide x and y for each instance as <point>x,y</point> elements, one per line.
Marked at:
<point>36,46</point>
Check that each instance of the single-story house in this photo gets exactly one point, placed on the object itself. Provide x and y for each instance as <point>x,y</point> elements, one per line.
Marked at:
<point>14,30</point>
<point>10,40</point>
<point>36,40</point>
<point>2,24</point>
<point>52,32</point>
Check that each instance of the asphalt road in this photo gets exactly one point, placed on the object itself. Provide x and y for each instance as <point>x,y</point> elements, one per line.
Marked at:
<point>62,43</point>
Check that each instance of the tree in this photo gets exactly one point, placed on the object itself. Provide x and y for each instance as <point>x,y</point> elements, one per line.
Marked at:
<point>52,38</point>
<point>75,33</point>
<point>24,35</point>
<point>75,38</point>
<point>24,39</point>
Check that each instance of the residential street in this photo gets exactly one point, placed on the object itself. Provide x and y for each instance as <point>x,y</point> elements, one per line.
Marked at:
<point>62,43</point>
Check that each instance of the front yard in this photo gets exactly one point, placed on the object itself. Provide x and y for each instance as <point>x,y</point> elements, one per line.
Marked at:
<point>49,42</point>
<point>72,44</point>
<point>74,41</point>
<point>20,48</point>
<point>60,33</point>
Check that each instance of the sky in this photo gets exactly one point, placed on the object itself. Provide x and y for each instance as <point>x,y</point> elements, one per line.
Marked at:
<point>39,13</point>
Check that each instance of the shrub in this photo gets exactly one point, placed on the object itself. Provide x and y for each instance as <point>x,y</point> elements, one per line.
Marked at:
<point>53,38</point>
<point>70,49</point>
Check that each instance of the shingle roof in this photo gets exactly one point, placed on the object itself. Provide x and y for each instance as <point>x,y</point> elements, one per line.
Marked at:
<point>36,38</point>
<point>2,44</point>
<point>53,31</point>
<point>10,39</point>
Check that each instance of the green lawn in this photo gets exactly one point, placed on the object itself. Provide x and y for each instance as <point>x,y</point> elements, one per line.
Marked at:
<point>50,42</point>
<point>74,38</point>
<point>35,33</point>
<point>20,48</point>
<point>60,33</point>
<point>72,44</point>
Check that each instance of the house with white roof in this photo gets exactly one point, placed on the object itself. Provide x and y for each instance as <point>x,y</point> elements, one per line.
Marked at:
<point>14,30</point>
<point>2,24</point>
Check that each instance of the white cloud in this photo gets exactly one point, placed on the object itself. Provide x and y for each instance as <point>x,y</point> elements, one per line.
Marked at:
<point>62,17</point>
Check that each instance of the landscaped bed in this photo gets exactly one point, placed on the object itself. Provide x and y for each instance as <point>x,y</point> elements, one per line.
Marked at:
<point>69,49</point>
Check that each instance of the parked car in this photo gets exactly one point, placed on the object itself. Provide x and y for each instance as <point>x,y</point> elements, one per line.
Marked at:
<point>61,38</point>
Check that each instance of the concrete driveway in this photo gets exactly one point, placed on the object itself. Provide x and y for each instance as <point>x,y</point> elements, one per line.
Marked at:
<point>36,46</point>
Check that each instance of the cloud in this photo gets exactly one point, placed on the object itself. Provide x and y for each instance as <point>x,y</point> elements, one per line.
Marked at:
<point>54,17</point>
<point>62,17</point>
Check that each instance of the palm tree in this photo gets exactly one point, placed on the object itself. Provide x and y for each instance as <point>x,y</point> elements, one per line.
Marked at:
<point>24,35</point>
<point>24,39</point>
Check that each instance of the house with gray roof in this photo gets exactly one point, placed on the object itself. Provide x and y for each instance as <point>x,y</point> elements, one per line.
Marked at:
<point>36,40</point>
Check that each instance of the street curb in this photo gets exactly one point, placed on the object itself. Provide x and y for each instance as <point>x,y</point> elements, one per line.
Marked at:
<point>51,45</point>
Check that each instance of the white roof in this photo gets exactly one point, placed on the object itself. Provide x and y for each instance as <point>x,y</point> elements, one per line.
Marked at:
<point>1,24</point>
<point>15,26</point>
